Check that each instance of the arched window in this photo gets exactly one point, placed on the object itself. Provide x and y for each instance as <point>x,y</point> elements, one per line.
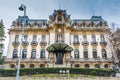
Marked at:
<point>31,65</point>
<point>42,65</point>
<point>59,18</point>
<point>106,65</point>
<point>15,52</point>
<point>22,65</point>
<point>85,52</point>
<point>87,65</point>
<point>42,53</point>
<point>94,53</point>
<point>104,54</point>
<point>97,65</point>
<point>24,53</point>
<point>33,53</point>
<point>12,66</point>
<point>77,65</point>
<point>76,53</point>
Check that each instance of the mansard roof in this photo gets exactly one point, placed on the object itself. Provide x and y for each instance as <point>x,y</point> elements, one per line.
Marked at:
<point>93,21</point>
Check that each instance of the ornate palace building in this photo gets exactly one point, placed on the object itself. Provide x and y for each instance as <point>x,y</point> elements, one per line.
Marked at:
<point>60,42</point>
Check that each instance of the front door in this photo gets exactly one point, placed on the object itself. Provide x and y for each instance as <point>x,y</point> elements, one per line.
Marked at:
<point>59,57</point>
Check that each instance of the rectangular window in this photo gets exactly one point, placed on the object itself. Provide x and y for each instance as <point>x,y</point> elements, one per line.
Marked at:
<point>43,40</point>
<point>15,52</point>
<point>16,38</point>
<point>102,38</point>
<point>34,37</point>
<point>85,52</point>
<point>24,53</point>
<point>76,53</point>
<point>33,53</point>
<point>59,38</point>
<point>25,37</point>
<point>42,53</point>
<point>93,38</point>
<point>76,39</point>
<point>84,38</point>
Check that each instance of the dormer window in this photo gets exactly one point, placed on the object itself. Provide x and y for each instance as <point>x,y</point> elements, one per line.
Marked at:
<point>59,18</point>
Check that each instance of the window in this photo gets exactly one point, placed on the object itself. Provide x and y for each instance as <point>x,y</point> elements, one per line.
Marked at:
<point>24,53</point>
<point>94,53</point>
<point>42,65</point>
<point>97,65</point>
<point>76,39</point>
<point>106,65</point>
<point>59,38</point>
<point>43,39</point>
<point>16,38</point>
<point>87,65</point>
<point>42,54</point>
<point>31,65</point>
<point>102,38</point>
<point>22,65</point>
<point>76,53</point>
<point>77,65</point>
<point>84,38</point>
<point>104,55</point>
<point>15,52</point>
<point>85,52</point>
<point>34,37</point>
<point>33,53</point>
<point>93,38</point>
<point>12,66</point>
<point>25,37</point>
<point>59,18</point>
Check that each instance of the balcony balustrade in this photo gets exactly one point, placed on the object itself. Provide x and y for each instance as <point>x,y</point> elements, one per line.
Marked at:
<point>27,60</point>
<point>94,43</point>
<point>16,43</point>
<point>92,60</point>
<point>25,43</point>
<point>76,42</point>
<point>34,43</point>
<point>43,43</point>
<point>103,43</point>
<point>85,43</point>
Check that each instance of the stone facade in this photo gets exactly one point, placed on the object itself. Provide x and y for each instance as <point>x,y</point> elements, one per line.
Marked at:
<point>87,39</point>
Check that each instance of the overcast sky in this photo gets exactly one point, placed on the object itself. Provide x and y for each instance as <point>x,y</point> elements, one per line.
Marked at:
<point>78,9</point>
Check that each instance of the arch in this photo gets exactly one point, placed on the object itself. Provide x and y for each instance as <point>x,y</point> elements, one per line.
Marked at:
<point>42,65</point>
<point>31,65</point>
<point>106,65</point>
<point>12,65</point>
<point>87,65</point>
<point>59,18</point>
<point>77,65</point>
<point>97,65</point>
<point>22,65</point>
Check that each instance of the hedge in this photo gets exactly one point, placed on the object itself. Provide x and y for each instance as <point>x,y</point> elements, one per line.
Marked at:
<point>31,71</point>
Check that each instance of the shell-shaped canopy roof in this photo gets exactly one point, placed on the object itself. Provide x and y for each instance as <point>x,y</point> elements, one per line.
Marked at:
<point>59,47</point>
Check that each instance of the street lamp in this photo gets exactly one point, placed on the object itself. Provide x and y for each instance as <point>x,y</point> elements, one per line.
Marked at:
<point>22,7</point>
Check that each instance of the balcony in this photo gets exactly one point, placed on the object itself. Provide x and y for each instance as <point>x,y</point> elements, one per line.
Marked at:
<point>60,41</point>
<point>76,43</point>
<point>16,43</point>
<point>103,43</point>
<point>92,60</point>
<point>85,43</point>
<point>34,43</point>
<point>43,43</point>
<point>25,43</point>
<point>27,60</point>
<point>94,43</point>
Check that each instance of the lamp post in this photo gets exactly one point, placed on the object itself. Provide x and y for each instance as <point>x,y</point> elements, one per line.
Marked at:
<point>22,7</point>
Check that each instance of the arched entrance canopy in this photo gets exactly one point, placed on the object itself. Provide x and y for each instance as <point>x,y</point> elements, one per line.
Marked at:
<point>59,47</point>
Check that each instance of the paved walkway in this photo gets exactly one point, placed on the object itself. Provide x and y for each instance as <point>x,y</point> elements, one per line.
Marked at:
<point>62,78</point>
